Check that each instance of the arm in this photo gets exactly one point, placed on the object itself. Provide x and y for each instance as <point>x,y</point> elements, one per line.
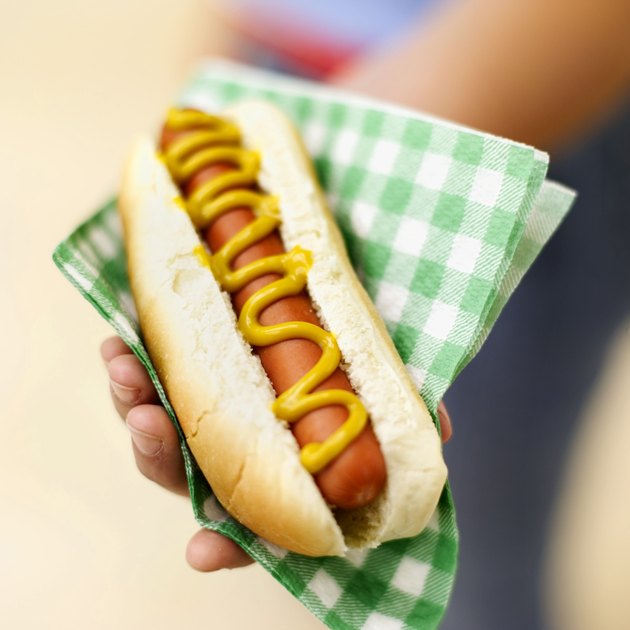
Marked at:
<point>536,71</point>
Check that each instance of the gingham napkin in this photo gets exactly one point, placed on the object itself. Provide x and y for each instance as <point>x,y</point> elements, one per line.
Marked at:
<point>441,223</point>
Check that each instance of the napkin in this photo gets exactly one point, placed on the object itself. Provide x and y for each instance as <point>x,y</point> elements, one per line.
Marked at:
<point>441,223</point>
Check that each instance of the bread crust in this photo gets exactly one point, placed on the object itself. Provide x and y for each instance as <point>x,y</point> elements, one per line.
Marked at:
<point>218,387</point>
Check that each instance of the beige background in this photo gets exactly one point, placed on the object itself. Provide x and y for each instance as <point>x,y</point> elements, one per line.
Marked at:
<point>588,563</point>
<point>85,541</point>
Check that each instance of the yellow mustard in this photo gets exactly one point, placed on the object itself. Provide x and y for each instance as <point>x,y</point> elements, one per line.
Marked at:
<point>215,140</point>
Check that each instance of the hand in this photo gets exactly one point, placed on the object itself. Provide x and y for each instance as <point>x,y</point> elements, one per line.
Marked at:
<point>157,451</point>
<point>158,454</point>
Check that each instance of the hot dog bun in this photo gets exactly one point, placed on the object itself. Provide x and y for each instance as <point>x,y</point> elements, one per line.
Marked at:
<point>217,385</point>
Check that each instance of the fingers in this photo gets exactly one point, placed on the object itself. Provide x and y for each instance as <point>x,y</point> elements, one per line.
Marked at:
<point>112,347</point>
<point>445,422</point>
<point>159,458</point>
<point>155,441</point>
<point>130,384</point>
<point>210,551</point>
<point>156,447</point>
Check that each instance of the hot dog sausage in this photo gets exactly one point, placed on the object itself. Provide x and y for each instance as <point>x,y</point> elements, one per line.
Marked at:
<point>358,475</point>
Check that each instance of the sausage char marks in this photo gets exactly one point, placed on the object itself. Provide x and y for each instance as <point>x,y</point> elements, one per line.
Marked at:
<point>218,179</point>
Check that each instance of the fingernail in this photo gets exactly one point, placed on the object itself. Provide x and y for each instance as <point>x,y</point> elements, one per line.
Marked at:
<point>445,419</point>
<point>148,445</point>
<point>443,413</point>
<point>127,395</point>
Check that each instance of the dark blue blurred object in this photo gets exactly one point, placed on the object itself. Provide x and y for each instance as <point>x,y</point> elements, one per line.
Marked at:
<point>516,406</point>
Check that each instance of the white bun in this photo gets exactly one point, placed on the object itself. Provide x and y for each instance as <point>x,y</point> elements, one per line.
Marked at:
<point>218,387</point>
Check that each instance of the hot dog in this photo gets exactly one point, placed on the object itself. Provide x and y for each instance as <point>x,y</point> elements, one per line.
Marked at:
<point>357,475</point>
<point>260,324</point>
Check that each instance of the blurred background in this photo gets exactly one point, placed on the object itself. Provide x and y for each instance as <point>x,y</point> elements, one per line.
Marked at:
<point>85,541</point>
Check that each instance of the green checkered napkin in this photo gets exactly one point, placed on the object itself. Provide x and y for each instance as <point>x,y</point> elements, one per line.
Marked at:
<point>441,223</point>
